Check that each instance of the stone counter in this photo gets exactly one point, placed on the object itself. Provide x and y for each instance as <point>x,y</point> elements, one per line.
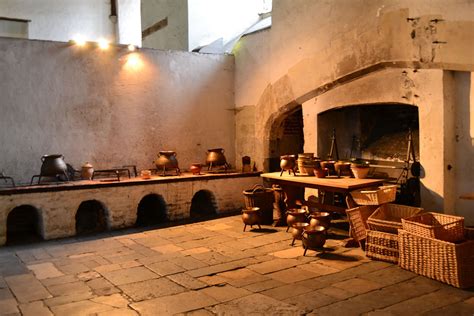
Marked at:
<point>57,204</point>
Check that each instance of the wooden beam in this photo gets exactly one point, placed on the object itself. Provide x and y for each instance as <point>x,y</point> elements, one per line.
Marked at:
<point>4,18</point>
<point>155,27</point>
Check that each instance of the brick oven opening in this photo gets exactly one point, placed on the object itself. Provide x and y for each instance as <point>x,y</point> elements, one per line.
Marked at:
<point>203,204</point>
<point>24,225</point>
<point>287,137</point>
<point>91,217</point>
<point>151,210</point>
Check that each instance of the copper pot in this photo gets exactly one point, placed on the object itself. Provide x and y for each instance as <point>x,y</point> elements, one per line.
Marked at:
<point>320,219</point>
<point>166,160</point>
<point>53,165</point>
<point>195,168</point>
<point>294,216</point>
<point>287,163</point>
<point>313,238</point>
<point>216,157</point>
<point>251,216</point>
<point>343,168</point>
<point>297,231</point>
<point>329,164</point>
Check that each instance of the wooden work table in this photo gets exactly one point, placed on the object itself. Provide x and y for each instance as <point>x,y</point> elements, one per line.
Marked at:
<point>293,186</point>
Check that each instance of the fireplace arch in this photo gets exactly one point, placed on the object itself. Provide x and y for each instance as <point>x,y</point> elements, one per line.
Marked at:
<point>24,225</point>
<point>92,216</point>
<point>151,210</point>
<point>203,204</point>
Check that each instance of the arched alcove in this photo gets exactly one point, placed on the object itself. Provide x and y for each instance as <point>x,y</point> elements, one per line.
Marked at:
<point>151,210</point>
<point>203,204</point>
<point>286,136</point>
<point>24,225</point>
<point>91,217</point>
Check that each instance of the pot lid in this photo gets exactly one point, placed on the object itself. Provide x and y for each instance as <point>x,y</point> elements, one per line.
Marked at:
<point>87,165</point>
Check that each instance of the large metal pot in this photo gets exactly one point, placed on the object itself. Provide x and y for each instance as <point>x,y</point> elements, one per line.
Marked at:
<point>53,165</point>
<point>297,231</point>
<point>215,157</point>
<point>295,216</point>
<point>313,238</point>
<point>320,219</point>
<point>251,216</point>
<point>287,163</point>
<point>166,160</point>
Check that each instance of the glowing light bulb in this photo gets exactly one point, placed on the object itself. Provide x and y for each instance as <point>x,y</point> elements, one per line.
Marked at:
<point>132,47</point>
<point>103,44</point>
<point>79,40</point>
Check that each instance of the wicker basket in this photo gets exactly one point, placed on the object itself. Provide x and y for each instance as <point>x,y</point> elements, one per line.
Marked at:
<point>388,217</point>
<point>358,220</point>
<point>437,259</point>
<point>379,196</point>
<point>261,197</point>
<point>436,225</point>
<point>382,246</point>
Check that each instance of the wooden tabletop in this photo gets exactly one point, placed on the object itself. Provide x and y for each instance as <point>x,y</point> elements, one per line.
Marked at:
<point>330,183</point>
<point>467,196</point>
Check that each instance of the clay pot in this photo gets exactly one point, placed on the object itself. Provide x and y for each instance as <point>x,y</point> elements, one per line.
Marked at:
<point>360,172</point>
<point>329,164</point>
<point>87,171</point>
<point>53,165</point>
<point>216,157</point>
<point>195,168</point>
<point>320,219</point>
<point>297,231</point>
<point>343,168</point>
<point>321,173</point>
<point>294,216</point>
<point>166,160</point>
<point>313,238</point>
<point>288,163</point>
<point>251,216</point>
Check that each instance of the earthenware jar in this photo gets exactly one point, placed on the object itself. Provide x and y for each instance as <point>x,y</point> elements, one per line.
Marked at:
<point>313,237</point>
<point>216,157</point>
<point>320,219</point>
<point>360,171</point>
<point>166,160</point>
<point>87,171</point>
<point>195,168</point>
<point>321,173</point>
<point>53,165</point>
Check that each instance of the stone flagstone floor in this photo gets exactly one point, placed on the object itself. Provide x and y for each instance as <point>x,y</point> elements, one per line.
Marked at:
<point>211,268</point>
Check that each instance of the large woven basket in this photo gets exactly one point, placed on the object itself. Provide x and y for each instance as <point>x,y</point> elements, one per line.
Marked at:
<point>388,217</point>
<point>378,196</point>
<point>261,197</point>
<point>444,261</point>
<point>382,246</point>
<point>358,220</point>
<point>436,225</point>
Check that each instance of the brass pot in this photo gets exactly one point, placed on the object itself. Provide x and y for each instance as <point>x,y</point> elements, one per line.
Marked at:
<point>166,160</point>
<point>313,238</point>
<point>343,168</point>
<point>53,165</point>
<point>216,157</point>
<point>329,165</point>
<point>294,216</point>
<point>251,216</point>
<point>297,230</point>
<point>320,219</point>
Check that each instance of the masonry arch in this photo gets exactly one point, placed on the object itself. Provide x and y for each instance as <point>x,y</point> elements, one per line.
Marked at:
<point>24,225</point>
<point>92,216</point>
<point>151,210</point>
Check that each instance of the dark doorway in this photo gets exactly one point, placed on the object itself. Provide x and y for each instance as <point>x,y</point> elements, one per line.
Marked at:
<point>286,137</point>
<point>91,217</point>
<point>151,210</point>
<point>23,225</point>
<point>203,204</point>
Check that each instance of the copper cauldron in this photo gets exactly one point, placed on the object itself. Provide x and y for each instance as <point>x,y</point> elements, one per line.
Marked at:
<point>215,157</point>
<point>320,219</point>
<point>297,231</point>
<point>295,216</point>
<point>53,165</point>
<point>251,216</point>
<point>313,238</point>
<point>288,163</point>
<point>167,161</point>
